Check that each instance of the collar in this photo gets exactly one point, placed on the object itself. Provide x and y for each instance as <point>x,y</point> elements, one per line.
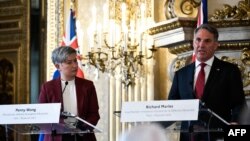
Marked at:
<point>209,62</point>
<point>69,82</point>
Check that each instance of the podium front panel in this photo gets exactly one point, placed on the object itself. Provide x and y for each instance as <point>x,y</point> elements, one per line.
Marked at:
<point>27,129</point>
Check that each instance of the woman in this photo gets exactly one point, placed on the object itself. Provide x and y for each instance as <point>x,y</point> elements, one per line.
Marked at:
<point>77,95</point>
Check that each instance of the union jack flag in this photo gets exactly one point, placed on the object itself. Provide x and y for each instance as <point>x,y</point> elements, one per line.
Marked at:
<point>70,39</point>
<point>201,18</point>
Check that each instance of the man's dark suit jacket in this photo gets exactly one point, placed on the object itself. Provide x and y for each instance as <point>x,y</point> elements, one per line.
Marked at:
<point>87,104</point>
<point>223,92</point>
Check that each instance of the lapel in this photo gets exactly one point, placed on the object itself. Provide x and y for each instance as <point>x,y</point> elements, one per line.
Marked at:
<point>190,78</point>
<point>212,78</point>
<point>78,89</point>
<point>79,94</point>
<point>58,91</point>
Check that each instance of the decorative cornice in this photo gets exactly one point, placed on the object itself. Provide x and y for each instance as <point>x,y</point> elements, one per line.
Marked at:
<point>171,26</point>
<point>181,48</point>
<point>231,23</point>
<point>239,45</point>
<point>187,46</point>
<point>191,23</point>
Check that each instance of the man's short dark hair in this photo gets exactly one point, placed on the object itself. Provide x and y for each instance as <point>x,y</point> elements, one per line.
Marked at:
<point>210,29</point>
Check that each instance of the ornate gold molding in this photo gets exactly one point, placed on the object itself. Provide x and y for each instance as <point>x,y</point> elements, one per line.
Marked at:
<point>232,23</point>
<point>183,22</point>
<point>180,23</point>
<point>55,27</point>
<point>243,62</point>
<point>189,8</point>
<point>237,45</point>
<point>187,46</point>
<point>181,8</point>
<point>239,12</point>
<point>181,48</point>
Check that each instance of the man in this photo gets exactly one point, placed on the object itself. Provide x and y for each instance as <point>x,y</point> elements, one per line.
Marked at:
<point>220,88</point>
<point>77,95</point>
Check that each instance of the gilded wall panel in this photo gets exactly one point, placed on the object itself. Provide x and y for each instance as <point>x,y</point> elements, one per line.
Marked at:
<point>14,48</point>
<point>55,18</point>
<point>14,54</point>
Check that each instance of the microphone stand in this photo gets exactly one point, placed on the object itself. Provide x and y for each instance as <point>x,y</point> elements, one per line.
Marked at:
<point>53,131</point>
<point>214,114</point>
<point>68,114</point>
<point>217,116</point>
<point>6,133</point>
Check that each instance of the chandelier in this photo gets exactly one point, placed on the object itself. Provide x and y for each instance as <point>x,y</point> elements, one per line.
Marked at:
<point>119,42</point>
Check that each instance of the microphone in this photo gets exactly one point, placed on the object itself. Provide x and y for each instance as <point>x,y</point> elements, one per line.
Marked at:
<point>66,83</point>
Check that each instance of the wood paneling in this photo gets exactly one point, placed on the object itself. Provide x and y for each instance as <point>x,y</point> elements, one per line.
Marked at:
<point>15,46</point>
